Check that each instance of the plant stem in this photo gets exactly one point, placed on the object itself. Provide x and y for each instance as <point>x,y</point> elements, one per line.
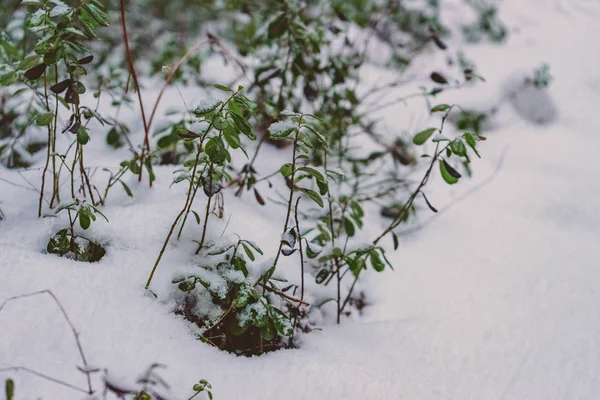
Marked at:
<point>133,72</point>
<point>398,220</point>
<point>188,197</point>
<point>291,198</point>
<point>55,173</point>
<point>48,147</point>
<point>187,212</point>
<point>207,213</point>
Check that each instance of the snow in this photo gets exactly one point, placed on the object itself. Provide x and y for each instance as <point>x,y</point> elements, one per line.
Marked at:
<point>496,299</point>
<point>280,127</point>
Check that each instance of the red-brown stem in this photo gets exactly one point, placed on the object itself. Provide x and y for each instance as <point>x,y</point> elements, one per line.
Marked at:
<point>137,88</point>
<point>172,74</point>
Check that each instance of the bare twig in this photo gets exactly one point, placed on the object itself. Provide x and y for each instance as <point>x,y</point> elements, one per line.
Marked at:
<point>133,73</point>
<point>280,293</point>
<point>64,313</point>
<point>49,378</point>
<point>172,74</point>
<point>460,198</point>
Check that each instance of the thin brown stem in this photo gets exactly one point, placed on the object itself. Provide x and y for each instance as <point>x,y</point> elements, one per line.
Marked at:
<point>285,296</point>
<point>48,378</point>
<point>48,148</point>
<point>66,316</point>
<point>133,73</point>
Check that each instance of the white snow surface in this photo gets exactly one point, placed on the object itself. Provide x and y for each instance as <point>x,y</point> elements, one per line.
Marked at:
<point>496,299</point>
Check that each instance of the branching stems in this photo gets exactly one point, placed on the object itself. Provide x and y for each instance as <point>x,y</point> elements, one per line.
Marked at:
<point>73,330</point>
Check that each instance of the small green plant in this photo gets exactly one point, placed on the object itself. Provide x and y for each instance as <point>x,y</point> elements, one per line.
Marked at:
<point>487,26</point>
<point>9,389</point>
<point>541,77</point>
<point>244,317</point>
<point>67,243</point>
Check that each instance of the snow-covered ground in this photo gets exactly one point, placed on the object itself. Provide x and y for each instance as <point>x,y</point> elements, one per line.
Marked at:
<point>496,299</point>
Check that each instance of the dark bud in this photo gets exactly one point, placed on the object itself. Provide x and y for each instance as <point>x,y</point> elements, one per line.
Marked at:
<point>85,60</point>
<point>454,173</point>
<point>334,29</point>
<point>187,134</point>
<point>211,190</point>
<point>309,92</point>
<point>71,97</point>
<point>438,78</point>
<point>74,124</point>
<point>60,86</point>
<point>287,288</point>
<point>288,252</point>
<point>468,74</point>
<point>259,198</point>
<point>35,72</point>
<point>438,42</point>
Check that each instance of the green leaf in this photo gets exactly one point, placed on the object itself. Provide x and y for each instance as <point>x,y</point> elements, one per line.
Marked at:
<point>422,136</point>
<point>448,177</point>
<point>44,119</point>
<point>78,87</point>
<point>376,262</point>
<point>254,246</point>
<point>7,78</point>
<point>248,252</point>
<point>127,190</point>
<point>82,135</point>
<point>196,216</point>
<point>243,296</point>
<point>313,195</point>
<point>216,151</point>
<point>356,265</point>
<point>243,126</point>
<point>223,88</point>
<point>396,242</point>
<point>286,170</point>
<point>349,227</point>
<point>167,140</point>
<point>458,147</point>
<point>440,107</point>
<point>231,137</point>
<point>471,142</point>
<point>220,123</point>
<point>60,9</point>
<point>187,286</point>
<point>29,62</point>
<point>323,187</point>
<point>59,243</point>
<point>267,332</point>
<point>84,219</point>
<point>99,15</point>
<point>9,389</point>
<point>281,321</point>
<point>313,172</point>
<point>88,22</point>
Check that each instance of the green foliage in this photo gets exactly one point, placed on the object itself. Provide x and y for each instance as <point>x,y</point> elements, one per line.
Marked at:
<point>305,58</point>
<point>541,77</point>
<point>9,389</point>
<point>244,318</point>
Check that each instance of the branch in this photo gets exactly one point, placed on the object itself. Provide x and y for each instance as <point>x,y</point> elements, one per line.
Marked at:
<point>279,293</point>
<point>64,313</point>
<point>49,378</point>
<point>460,198</point>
